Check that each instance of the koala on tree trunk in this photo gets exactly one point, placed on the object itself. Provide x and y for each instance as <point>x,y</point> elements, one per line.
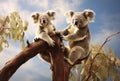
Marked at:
<point>43,30</point>
<point>78,35</point>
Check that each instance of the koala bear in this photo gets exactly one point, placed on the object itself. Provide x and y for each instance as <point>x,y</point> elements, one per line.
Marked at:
<point>44,29</point>
<point>78,35</point>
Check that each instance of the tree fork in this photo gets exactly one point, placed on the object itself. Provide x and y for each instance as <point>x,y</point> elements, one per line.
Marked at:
<point>61,69</point>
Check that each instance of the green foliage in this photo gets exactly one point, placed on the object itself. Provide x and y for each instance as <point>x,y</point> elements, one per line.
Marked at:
<point>104,66</point>
<point>12,27</point>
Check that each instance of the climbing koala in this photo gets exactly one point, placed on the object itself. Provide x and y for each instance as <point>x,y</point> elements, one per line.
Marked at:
<point>44,29</point>
<point>78,35</point>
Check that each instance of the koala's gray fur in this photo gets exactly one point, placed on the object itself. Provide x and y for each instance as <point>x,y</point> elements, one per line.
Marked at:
<point>44,29</point>
<point>78,35</point>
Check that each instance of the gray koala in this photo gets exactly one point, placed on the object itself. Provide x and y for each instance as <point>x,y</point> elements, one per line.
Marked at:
<point>78,35</point>
<point>44,29</point>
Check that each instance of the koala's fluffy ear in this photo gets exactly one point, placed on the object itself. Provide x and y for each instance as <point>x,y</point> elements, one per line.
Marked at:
<point>35,17</point>
<point>89,15</point>
<point>69,15</point>
<point>51,14</point>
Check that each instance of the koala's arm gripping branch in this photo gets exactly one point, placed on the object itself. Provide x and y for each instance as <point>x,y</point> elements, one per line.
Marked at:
<point>74,37</point>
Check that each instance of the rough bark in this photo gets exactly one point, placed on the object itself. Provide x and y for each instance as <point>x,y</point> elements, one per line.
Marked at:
<point>60,68</point>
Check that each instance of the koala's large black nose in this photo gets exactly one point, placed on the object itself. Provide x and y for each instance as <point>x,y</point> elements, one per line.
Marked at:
<point>76,22</point>
<point>44,21</point>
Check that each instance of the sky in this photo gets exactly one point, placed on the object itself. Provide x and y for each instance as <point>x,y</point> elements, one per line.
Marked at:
<point>107,21</point>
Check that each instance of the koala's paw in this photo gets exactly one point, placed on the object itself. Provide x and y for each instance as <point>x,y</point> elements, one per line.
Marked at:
<point>65,37</point>
<point>51,43</point>
<point>59,35</point>
<point>36,39</point>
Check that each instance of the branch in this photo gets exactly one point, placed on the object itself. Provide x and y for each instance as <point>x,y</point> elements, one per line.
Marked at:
<point>106,40</point>
<point>4,23</point>
<point>30,51</point>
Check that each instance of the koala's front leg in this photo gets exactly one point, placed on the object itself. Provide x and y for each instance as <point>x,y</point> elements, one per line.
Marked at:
<point>44,36</point>
<point>38,34</point>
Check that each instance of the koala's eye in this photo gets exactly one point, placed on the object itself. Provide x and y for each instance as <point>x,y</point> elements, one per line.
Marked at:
<point>85,15</point>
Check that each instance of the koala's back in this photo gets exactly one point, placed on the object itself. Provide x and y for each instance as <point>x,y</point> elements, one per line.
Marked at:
<point>83,43</point>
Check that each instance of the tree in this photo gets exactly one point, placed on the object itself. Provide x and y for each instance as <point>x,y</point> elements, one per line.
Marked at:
<point>97,66</point>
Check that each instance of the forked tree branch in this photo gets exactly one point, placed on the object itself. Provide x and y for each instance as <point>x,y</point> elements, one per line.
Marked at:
<point>60,70</point>
<point>90,68</point>
<point>30,51</point>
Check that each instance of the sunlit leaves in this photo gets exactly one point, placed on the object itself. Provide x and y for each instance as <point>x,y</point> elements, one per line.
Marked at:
<point>12,27</point>
<point>105,65</point>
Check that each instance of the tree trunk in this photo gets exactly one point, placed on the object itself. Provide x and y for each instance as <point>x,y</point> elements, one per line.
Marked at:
<point>61,69</point>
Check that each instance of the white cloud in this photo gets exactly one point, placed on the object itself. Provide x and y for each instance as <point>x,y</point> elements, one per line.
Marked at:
<point>61,6</point>
<point>8,6</point>
<point>7,54</point>
<point>38,3</point>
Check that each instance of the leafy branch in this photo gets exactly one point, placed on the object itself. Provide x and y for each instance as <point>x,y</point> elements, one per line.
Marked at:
<point>12,27</point>
<point>93,60</point>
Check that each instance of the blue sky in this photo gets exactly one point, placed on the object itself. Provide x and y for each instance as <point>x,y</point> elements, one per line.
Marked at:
<point>107,21</point>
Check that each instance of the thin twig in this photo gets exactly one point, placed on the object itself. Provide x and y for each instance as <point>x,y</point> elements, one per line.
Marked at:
<point>28,43</point>
<point>107,40</point>
<point>2,28</point>
<point>5,21</point>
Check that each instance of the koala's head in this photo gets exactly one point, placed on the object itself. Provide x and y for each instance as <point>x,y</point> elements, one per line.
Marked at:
<point>43,19</point>
<point>80,19</point>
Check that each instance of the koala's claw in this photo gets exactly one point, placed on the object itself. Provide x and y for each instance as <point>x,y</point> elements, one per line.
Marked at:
<point>36,39</point>
<point>59,35</point>
<point>65,37</point>
<point>51,43</point>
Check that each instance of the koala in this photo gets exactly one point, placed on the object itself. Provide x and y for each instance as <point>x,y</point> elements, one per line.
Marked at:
<point>78,35</point>
<point>44,29</point>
